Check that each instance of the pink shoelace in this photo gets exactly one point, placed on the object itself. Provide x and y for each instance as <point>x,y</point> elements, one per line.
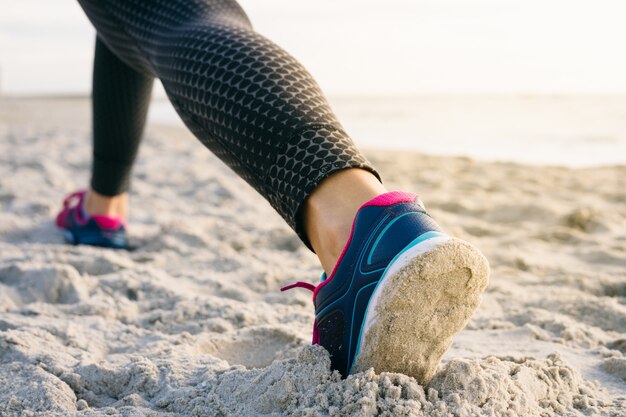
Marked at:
<point>310,287</point>
<point>72,200</point>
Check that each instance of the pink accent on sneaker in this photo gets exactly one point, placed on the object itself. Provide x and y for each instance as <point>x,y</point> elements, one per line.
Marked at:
<point>108,222</point>
<point>299,284</point>
<point>393,197</point>
<point>316,335</point>
<point>70,202</point>
<point>387,199</point>
<point>77,210</point>
<point>61,217</point>
<point>73,206</point>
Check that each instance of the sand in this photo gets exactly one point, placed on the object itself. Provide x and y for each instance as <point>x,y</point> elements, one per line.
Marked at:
<point>192,322</point>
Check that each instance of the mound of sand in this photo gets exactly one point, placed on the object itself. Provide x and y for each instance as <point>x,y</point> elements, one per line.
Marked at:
<point>191,323</point>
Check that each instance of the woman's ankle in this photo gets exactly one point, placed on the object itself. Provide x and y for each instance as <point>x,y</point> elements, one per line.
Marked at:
<point>330,209</point>
<point>99,204</point>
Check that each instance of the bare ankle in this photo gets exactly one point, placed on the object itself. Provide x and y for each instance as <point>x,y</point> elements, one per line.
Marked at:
<point>99,204</point>
<point>330,210</point>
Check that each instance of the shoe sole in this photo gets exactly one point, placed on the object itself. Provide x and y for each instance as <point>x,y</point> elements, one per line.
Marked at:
<point>69,236</point>
<point>427,295</point>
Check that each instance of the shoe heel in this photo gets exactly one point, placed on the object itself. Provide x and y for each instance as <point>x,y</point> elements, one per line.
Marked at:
<point>422,300</point>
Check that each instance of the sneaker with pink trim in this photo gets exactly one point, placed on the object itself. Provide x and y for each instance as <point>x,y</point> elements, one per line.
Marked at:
<point>398,293</point>
<point>81,228</point>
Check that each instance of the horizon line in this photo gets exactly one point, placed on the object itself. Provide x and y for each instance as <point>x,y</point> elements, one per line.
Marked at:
<point>531,94</point>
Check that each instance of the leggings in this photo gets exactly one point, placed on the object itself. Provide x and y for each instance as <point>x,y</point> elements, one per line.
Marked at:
<point>242,96</point>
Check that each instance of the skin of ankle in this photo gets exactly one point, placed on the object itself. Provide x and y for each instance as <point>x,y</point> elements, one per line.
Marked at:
<point>330,209</point>
<point>116,206</point>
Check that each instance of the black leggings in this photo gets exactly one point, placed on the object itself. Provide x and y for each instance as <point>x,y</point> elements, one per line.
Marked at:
<point>243,97</point>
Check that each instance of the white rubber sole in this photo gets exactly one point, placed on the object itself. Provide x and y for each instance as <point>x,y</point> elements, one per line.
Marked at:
<point>425,296</point>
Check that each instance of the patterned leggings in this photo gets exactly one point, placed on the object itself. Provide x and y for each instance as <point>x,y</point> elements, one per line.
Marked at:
<point>243,97</point>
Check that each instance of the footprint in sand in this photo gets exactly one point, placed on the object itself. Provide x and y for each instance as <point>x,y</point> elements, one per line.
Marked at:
<point>29,283</point>
<point>253,348</point>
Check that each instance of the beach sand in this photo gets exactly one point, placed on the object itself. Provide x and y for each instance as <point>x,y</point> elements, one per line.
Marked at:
<point>192,322</point>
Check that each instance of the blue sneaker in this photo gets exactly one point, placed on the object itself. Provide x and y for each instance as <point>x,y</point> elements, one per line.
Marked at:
<point>398,293</point>
<point>81,228</point>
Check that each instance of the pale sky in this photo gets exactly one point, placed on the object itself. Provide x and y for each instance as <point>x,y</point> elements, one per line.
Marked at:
<point>366,47</point>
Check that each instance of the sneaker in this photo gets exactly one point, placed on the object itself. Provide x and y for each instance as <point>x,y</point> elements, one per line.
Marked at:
<point>95,230</point>
<point>398,293</point>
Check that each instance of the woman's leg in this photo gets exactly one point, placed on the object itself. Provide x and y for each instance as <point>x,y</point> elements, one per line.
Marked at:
<point>246,99</point>
<point>120,101</point>
<point>261,112</point>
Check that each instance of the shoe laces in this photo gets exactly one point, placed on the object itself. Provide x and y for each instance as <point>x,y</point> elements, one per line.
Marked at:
<point>72,197</point>
<point>310,287</point>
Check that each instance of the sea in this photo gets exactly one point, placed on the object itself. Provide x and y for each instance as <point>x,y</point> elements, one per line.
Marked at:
<point>563,130</point>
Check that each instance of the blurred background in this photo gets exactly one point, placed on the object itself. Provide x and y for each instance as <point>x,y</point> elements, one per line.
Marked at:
<point>535,81</point>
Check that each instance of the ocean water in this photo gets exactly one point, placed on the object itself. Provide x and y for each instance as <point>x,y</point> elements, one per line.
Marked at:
<point>486,53</point>
<point>575,131</point>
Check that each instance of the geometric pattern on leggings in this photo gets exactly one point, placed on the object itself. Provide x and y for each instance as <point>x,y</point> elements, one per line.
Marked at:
<point>245,98</point>
<point>320,150</point>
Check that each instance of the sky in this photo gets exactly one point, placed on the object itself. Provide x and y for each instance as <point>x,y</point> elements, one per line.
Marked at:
<point>366,47</point>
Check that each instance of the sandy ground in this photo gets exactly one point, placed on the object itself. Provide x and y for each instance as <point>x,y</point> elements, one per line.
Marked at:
<point>192,322</point>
